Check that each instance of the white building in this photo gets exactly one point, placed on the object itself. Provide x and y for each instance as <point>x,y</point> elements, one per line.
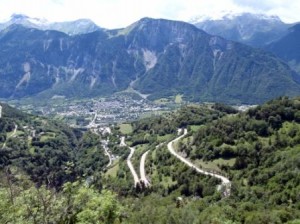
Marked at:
<point>0,111</point>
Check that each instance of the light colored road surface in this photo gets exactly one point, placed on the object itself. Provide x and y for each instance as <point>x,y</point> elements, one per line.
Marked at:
<point>142,170</point>
<point>225,181</point>
<point>129,164</point>
<point>107,153</point>
<point>104,143</point>
<point>92,123</point>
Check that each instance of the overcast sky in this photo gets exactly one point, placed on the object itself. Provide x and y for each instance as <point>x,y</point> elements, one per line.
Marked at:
<point>120,13</point>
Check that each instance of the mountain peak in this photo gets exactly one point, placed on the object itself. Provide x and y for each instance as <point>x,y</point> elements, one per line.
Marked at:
<point>162,22</point>
<point>22,18</point>
<point>79,26</point>
<point>18,16</point>
<point>145,19</point>
<point>255,29</point>
<point>159,57</point>
<point>229,15</point>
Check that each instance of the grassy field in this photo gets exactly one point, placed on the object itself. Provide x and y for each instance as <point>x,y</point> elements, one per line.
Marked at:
<point>195,128</point>
<point>126,129</point>
<point>47,135</point>
<point>112,171</point>
<point>213,165</point>
<point>228,162</point>
<point>32,150</point>
<point>165,138</point>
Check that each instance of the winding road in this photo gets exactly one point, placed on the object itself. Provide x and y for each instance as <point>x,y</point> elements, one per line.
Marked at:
<point>142,170</point>
<point>104,144</point>
<point>107,153</point>
<point>129,164</point>
<point>225,181</point>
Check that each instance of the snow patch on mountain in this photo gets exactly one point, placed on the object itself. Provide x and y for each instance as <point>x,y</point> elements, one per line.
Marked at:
<point>79,26</point>
<point>230,15</point>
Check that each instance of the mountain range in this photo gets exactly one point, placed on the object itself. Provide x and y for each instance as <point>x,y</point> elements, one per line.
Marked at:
<point>154,56</point>
<point>79,26</point>
<point>256,30</point>
<point>253,29</point>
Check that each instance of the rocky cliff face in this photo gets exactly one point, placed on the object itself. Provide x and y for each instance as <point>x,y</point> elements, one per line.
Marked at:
<point>162,57</point>
<point>210,68</point>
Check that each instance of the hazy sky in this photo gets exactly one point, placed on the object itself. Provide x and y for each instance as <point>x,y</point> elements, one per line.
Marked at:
<point>120,13</point>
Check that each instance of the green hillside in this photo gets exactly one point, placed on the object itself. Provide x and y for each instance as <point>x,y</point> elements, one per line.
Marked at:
<point>258,150</point>
<point>49,152</point>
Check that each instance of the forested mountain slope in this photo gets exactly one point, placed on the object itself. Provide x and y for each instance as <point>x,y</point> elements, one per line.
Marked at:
<point>155,56</point>
<point>258,150</point>
<point>48,151</point>
<point>288,47</point>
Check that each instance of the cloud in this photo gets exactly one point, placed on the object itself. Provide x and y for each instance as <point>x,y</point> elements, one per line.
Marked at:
<point>120,13</point>
<point>60,2</point>
<point>204,7</point>
<point>256,4</point>
<point>288,10</point>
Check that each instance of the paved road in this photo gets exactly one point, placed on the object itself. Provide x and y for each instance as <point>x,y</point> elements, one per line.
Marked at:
<point>225,181</point>
<point>129,164</point>
<point>108,154</point>
<point>142,170</point>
